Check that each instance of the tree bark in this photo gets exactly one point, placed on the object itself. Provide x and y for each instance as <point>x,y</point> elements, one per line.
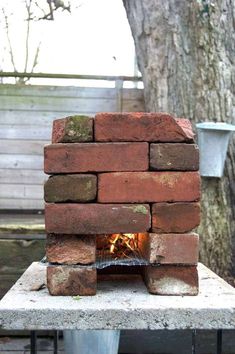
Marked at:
<point>186,54</point>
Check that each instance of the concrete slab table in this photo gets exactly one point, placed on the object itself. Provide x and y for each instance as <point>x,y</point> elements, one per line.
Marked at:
<point>119,304</point>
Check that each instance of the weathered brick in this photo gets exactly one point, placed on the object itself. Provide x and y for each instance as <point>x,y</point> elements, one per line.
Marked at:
<point>75,188</point>
<point>177,157</point>
<point>139,126</point>
<point>71,158</point>
<point>67,280</point>
<point>171,280</point>
<point>170,248</point>
<point>96,218</point>
<point>144,187</point>
<point>175,217</point>
<point>71,249</point>
<point>72,129</point>
<point>186,125</point>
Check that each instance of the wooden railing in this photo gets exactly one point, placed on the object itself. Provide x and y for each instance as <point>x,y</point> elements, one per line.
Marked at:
<point>70,76</point>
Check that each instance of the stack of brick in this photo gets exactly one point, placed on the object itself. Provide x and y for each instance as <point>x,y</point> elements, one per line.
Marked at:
<point>122,173</point>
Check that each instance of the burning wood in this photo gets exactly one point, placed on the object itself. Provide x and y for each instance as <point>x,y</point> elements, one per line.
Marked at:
<point>122,245</point>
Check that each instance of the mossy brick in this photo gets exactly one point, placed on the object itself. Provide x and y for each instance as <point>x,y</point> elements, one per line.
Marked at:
<point>74,188</point>
<point>177,157</point>
<point>170,248</point>
<point>73,129</point>
<point>140,126</point>
<point>175,217</point>
<point>146,187</point>
<point>71,249</point>
<point>171,280</point>
<point>94,218</point>
<point>95,157</point>
<point>68,280</point>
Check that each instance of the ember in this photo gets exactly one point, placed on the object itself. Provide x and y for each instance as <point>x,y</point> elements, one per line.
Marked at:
<point>121,245</point>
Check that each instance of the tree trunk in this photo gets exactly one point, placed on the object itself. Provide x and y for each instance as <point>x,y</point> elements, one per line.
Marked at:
<point>186,54</point>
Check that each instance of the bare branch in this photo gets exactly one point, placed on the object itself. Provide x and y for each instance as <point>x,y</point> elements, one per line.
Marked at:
<point>35,62</point>
<point>51,10</point>
<point>28,8</point>
<point>54,5</point>
<point>9,39</point>
<point>40,8</point>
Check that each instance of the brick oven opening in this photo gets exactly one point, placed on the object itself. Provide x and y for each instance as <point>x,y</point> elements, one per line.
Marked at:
<point>124,249</point>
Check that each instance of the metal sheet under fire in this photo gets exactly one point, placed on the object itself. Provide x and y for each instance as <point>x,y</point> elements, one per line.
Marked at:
<point>104,259</point>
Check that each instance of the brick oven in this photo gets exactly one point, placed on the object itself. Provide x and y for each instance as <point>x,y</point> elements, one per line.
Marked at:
<point>122,197</point>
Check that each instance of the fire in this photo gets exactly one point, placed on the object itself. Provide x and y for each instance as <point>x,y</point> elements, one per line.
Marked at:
<point>123,245</point>
<point>119,245</point>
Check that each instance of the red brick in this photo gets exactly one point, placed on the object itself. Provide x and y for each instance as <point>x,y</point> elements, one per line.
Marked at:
<point>70,158</point>
<point>171,280</point>
<point>76,188</point>
<point>177,157</point>
<point>175,217</point>
<point>144,187</point>
<point>96,218</point>
<point>186,125</point>
<point>139,126</point>
<point>71,249</point>
<point>170,248</point>
<point>72,129</point>
<point>65,280</point>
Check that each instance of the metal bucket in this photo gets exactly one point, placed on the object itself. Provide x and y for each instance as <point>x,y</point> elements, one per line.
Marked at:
<point>91,341</point>
<point>213,139</point>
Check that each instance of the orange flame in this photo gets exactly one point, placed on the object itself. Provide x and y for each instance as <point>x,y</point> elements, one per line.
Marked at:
<point>122,244</point>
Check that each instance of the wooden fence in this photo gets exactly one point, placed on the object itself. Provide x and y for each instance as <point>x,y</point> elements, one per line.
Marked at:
<point>26,115</point>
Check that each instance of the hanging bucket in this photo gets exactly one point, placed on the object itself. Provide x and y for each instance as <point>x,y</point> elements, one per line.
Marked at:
<point>213,139</point>
<point>91,341</point>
